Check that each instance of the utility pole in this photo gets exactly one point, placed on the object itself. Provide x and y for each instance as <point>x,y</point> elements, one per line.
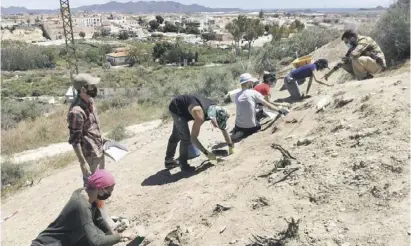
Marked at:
<point>71,56</point>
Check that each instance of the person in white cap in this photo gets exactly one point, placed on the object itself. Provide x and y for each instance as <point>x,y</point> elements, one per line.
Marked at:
<point>246,100</point>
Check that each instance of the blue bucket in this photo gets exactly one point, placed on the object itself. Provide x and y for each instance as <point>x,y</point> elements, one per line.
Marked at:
<point>193,152</point>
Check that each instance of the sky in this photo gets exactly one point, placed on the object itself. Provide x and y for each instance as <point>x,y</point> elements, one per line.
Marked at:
<point>243,4</point>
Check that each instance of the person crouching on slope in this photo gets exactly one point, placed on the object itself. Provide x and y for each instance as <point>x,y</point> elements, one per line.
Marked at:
<point>306,71</point>
<point>183,109</point>
<point>80,223</point>
<point>364,57</point>
<point>246,100</point>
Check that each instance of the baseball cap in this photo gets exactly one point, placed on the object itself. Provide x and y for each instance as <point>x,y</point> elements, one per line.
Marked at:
<point>246,77</point>
<point>220,114</point>
<point>83,79</point>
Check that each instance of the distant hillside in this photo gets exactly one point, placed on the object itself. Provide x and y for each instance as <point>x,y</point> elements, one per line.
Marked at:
<point>372,9</point>
<point>129,7</point>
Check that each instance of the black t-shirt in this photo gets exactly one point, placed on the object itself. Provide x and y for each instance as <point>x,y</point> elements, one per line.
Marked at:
<point>179,105</point>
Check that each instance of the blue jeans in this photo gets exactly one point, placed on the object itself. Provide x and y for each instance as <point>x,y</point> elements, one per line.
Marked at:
<point>292,86</point>
<point>181,134</point>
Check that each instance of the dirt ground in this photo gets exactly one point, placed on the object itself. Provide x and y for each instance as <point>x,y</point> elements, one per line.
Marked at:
<point>348,184</point>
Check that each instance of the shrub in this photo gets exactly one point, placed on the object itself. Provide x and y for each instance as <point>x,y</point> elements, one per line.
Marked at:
<point>11,173</point>
<point>392,32</point>
<point>302,43</point>
<point>21,58</point>
<point>118,133</point>
<point>13,112</point>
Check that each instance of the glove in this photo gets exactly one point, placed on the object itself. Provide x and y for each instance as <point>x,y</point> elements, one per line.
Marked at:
<point>283,111</point>
<point>211,156</point>
<point>231,150</point>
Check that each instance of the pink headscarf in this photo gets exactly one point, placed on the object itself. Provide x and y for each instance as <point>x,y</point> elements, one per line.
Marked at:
<point>101,179</point>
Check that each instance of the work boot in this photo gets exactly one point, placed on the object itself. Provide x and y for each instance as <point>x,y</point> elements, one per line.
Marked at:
<point>188,168</point>
<point>170,163</point>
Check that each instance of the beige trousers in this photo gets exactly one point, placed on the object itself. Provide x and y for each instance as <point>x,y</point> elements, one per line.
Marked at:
<point>362,66</point>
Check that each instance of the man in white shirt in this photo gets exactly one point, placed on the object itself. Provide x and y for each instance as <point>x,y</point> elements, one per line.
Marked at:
<point>246,100</point>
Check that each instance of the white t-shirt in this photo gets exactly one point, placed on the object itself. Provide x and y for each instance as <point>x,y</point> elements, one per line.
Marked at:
<point>246,101</point>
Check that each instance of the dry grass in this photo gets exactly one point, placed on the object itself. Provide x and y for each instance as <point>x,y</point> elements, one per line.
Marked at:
<point>53,129</point>
<point>17,176</point>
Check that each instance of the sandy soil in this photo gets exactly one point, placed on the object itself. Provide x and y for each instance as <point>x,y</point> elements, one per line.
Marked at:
<point>350,186</point>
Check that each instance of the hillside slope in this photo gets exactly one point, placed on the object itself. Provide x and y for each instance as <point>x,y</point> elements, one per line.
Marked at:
<point>351,188</point>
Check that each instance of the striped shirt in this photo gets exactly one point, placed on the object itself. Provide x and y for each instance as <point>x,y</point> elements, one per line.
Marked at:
<point>367,46</point>
<point>84,127</point>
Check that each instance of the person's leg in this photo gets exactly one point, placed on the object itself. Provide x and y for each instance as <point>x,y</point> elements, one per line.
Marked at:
<point>184,136</point>
<point>364,66</point>
<point>348,67</point>
<point>292,87</point>
<point>172,145</point>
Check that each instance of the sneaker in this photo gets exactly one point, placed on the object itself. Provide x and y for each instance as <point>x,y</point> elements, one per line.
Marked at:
<point>170,164</point>
<point>187,168</point>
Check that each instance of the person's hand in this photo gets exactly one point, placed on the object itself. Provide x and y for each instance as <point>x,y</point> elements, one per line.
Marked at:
<point>85,168</point>
<point>128,235</point>
<point>211,156</point>
<point>231,150</point>
<point>105,140</point>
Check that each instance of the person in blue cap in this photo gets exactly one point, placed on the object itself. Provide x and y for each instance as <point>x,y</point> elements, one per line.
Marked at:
<point>301,73</point>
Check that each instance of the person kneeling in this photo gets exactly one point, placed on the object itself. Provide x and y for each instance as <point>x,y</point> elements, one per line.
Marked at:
<point>80,223</point>
<point>246,100</point>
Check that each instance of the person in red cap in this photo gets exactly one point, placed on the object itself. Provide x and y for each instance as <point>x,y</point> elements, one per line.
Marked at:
<point>80,222</point>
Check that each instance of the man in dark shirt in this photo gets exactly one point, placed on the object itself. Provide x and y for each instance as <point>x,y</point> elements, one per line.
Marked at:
<point>306,71</point>
<point>183,109</point>
<point>80,222</point>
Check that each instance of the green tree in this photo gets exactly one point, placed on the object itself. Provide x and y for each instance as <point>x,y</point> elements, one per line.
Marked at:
<point>82,34</point>
<point>105,32</point>
<point>237,28</point>
<point>123,35</point>
<point>170,27</point>
<point>254,29</point>
<point>153,25</point>
<point>159,19</point>
<point>261,14</point>
<point>278,32</point>
<point>160,48</point>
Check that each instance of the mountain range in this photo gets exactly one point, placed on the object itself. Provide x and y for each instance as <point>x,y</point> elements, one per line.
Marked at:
<point>128,7</point>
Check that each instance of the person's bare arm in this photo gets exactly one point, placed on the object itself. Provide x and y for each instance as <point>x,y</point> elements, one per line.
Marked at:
<point>269,105</point>
<point>227,138</point>
<point>198,115</point>
<point>320,82</point>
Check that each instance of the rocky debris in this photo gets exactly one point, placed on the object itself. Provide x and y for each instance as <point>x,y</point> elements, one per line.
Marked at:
<point>260,202</point>
<point>359,166</point>
<point>305,141</point>
<point>323,103</point>
<point>219,209</point>
<point>342,101</point>
<point>397,82</point>
<point>366,97</point>
<point>291,121</point>
<point>174,238</point>
<point>120,223</point>
<point>341,125</point>
<point>233,241</point>
<point>365,133</point>
<point>281,238</point>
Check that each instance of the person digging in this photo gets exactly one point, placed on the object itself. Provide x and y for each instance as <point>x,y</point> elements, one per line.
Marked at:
<point>80,223</point>
<point>246,100</point>
<point>185,108</point>
<point>301,73</point>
